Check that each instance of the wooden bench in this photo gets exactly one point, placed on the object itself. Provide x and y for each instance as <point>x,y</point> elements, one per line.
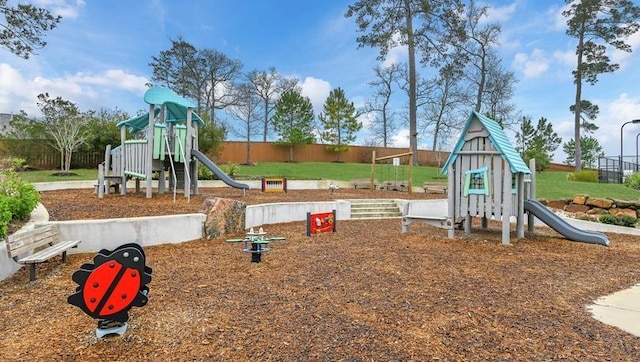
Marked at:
<point>43,241</point>
<point>402,185</point>
<point>408,218</point>
<point>364,184</point>
<point>435,188</point>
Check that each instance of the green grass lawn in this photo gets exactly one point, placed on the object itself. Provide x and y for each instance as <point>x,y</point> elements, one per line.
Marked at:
<point>550,185</point>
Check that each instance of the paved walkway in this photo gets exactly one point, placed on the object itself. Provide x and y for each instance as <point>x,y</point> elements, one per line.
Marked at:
<point>620,309</point>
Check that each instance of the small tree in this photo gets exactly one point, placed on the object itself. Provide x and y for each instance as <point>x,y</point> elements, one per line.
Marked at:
<point>340,122</point>
<point>591,150</point>
<point>65,127</point>
<point>537,142</point>
<point>293,120</point>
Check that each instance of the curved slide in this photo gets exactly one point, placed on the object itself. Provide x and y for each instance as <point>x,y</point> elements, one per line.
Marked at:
<point>562,227</point>
<point>216,170</point>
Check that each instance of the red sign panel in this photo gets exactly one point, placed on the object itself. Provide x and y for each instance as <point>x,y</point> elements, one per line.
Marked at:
<point>321,222</point>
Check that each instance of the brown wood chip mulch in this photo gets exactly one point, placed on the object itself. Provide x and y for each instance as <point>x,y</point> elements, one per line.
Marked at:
<point>366,292</point>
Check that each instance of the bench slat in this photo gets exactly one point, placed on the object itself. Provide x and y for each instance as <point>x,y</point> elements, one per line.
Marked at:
<point>23,242</point>
<point>48,253</point>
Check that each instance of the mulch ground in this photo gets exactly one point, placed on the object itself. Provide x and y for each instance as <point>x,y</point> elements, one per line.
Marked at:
<point>366,292</point>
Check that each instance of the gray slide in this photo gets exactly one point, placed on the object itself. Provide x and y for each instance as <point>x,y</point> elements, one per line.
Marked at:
<point>562,227</point>
<point>215,169</point>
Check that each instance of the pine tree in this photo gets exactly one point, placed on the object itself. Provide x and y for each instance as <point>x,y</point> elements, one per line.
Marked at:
<point>597,24</point>
<point>340,122</point>
<point>537,142</point>
<point>293,121</point>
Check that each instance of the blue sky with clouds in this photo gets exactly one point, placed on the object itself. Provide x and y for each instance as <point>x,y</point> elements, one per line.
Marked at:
<point>98,56</point>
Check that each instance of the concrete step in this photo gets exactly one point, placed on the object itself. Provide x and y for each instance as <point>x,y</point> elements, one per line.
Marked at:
<point>375,215</point>
<point>375,209</point>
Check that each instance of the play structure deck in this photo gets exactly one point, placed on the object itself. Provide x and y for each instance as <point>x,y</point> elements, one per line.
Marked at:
<point>162,142</point>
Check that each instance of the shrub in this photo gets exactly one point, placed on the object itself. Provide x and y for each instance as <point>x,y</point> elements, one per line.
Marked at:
<point>22,197</point>
<point>609,219</point>
<point>5,216</point>
<point>204,173</point>
<point>230,168</point>
<point>628,221</point>
<point>583,176</point>
<point>633,180</point>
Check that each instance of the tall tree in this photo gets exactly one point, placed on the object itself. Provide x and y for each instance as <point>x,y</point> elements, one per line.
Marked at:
<point>293,120</point>
<point>65,126</point>
<point>339,121</point>
<point>181,69</point>
<point>23,28</point>
<point>537,142</point>
<point>268,86</point>
<point>479,39</point>
<point>589,112</point>
<point>380,103</point>
<point>427,26</point>
<point>442,105</point>
<point>498,92</point>
<point>246,113</point>
<point>221,73</point>
<point>596,24</point>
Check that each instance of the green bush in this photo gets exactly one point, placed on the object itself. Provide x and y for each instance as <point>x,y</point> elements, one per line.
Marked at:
<point>609,219</point>
<point>5,216</point>
<point>22,197</point>
<point>633,180</point>
<point>583,176</point>
<point>204,173</point>
<point>230,168</point>
<point>628,221</point>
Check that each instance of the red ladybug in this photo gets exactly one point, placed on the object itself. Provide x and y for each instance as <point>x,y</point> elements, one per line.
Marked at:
<point>112,285</point>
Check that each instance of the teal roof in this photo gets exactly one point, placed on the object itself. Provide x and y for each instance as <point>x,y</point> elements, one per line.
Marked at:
<point>175,109</point>
<point>499,140</point>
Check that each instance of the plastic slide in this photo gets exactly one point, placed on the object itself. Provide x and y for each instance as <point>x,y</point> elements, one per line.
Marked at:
<point>562,227</point>
<point>216,170</point>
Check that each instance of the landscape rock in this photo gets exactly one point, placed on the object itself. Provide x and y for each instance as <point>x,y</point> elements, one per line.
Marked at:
<point>619,212</point>
<point>575,208</point>
<point>580,199</point>
<point>599,203</point>
<point>224,216</point>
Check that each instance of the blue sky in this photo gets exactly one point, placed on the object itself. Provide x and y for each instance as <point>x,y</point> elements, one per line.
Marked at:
<point>98,57</point>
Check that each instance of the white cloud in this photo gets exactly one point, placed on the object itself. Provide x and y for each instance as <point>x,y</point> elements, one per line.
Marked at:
<point>567,57</point>
<point>400,139</point>
<point>501,14</point>
<point>532,66</point>
<point>559,21</point>
<point>317,90</point>
<point>622,57</point>
<point>64,8</point>
<point>88,91</point>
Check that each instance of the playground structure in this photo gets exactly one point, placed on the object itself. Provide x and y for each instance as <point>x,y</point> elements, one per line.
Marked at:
<point>388,183</point>
<point>487,178</point>
<point>256,243</point>
<point>163,140</point>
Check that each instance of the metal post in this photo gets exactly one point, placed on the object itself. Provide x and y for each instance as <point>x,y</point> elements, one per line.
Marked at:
<point>622,149</point>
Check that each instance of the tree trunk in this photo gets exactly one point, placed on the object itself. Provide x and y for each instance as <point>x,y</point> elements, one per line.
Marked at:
<point>291,153</point>
<point>413,130</point>
<point>577,105</point>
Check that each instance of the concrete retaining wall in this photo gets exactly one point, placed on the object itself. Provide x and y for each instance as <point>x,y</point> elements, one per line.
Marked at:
<point>265,214</point>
